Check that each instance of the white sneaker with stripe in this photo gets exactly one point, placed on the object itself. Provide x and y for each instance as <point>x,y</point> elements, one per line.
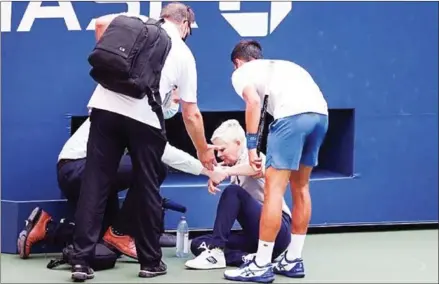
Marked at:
<point>250,271</point>
<point>208,259</point>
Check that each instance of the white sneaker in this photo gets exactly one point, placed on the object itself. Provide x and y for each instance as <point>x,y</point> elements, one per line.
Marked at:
<point>251,272</point>
<point>208,259</point>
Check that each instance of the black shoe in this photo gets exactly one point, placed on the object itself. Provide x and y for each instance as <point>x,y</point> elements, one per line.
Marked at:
<point>149,272</point>
<point>80,273</point>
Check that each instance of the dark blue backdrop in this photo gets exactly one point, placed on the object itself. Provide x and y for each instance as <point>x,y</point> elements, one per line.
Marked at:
<point>380,58</point>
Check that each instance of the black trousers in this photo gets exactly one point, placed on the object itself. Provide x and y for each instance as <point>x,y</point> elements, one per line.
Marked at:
<point>70,175</point>
<point>110,134</point>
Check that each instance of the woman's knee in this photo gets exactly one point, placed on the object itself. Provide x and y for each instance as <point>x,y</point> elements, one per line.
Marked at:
<point>233,189</point>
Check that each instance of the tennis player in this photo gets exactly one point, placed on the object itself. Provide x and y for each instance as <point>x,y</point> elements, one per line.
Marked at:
<point>300,123</point>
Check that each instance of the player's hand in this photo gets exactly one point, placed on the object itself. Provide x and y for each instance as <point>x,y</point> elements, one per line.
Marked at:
<point>255,161</point>
<point>218,175</point>
<point>207,157</point>
<point>212,187</point>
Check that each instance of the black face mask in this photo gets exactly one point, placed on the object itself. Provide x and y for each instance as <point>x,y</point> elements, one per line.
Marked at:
<point>188,34</point>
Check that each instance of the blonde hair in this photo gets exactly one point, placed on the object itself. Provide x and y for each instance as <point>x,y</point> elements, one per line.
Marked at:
<point>229,131</point>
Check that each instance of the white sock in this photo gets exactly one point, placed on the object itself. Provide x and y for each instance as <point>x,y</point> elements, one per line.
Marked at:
<point>296,246</point>
<point>265,253</point>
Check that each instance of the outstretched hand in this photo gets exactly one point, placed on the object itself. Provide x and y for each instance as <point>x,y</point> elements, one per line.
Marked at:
<point>212,187</point>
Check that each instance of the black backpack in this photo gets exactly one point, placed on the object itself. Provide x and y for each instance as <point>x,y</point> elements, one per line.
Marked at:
<point>104,258</point>
<point>129,58</point>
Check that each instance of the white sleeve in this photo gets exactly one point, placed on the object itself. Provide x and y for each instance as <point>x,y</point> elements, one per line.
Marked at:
<point>240,80</point>
<point>181,160</point>
<point>187,79</point>
<point>236,83</point>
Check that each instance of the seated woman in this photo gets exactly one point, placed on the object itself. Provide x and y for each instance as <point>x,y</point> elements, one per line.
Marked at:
<point>241,201</point>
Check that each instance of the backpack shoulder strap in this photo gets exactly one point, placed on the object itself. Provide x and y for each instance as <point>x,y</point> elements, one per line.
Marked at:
<point>153,94</point>
<point>155,102</point>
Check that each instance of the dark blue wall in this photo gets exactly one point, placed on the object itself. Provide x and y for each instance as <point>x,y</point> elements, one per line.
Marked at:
<point>380,58</point>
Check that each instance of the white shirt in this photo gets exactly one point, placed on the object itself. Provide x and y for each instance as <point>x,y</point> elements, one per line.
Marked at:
<point>76,148</point>
<point>255,187</point>
<point>292,90</point>
<point>179,70</point>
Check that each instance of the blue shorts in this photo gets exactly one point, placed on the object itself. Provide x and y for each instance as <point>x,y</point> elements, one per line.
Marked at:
<point>296,140</point>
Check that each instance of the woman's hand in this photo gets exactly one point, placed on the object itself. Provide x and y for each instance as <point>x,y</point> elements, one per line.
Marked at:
<point>218,175</point>
<point>212,187</point>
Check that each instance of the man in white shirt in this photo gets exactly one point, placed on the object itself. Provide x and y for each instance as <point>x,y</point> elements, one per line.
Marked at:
<point>300,123</point>
<point>70,172</point>
<point>119,121</point>
<point>241,201</point>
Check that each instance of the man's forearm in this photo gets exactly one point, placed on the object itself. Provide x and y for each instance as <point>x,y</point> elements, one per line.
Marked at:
<point>195,128</point>
<point>181,160</point>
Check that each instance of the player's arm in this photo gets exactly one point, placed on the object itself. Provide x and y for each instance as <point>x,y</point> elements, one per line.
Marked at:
<point>252,109</point>
<point>245,88</point>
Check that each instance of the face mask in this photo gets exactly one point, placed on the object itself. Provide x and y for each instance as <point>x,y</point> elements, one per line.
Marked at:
<point>188,32</point>
<point>170,110</point>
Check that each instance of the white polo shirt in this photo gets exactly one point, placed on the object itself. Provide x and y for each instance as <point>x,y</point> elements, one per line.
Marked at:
<point>254,186</point>
<point>76,148</point>
<point>291,88</point>
<point>179,70</point>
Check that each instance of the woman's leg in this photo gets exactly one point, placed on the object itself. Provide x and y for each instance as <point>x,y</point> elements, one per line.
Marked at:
<point>227,247</point>
<point>249,219</point>
<point>200,244</point>
<point>234,200</point>
<point>238,247</point>
<point>242,243</point>
<point>235,204</point>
